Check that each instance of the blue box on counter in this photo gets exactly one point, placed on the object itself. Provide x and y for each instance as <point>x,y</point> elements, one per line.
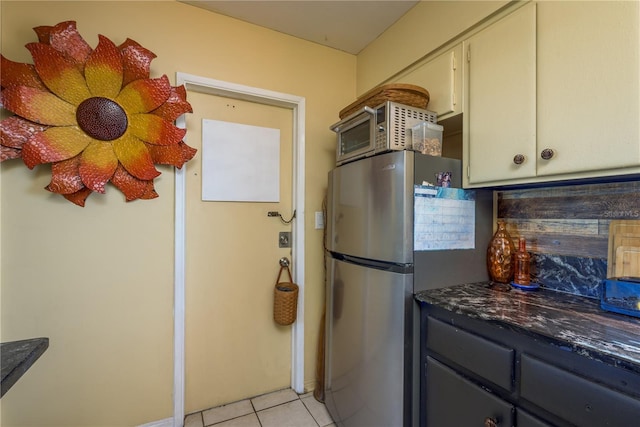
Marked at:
<point>621,295</point>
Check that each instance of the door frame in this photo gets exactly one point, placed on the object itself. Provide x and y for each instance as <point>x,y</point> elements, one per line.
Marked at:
<point>266,97</point>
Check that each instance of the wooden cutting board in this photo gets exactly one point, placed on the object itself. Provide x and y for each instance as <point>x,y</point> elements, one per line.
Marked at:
<point>624,248</point>
<point>627,261</point>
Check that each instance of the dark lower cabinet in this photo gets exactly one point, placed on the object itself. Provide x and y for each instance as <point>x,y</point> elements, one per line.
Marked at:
<point>453,401</point>
<point>527,420</point>
<point>474,373</point>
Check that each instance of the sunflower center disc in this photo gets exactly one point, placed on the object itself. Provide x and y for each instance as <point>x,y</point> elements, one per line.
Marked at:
<point>101,118</point>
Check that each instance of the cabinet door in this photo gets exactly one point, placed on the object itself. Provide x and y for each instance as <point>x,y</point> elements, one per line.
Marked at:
<point>442,77</point>
<point>589,85</point>
<point>577,400</point>
<point>500,106</point>
<point>526,420</point>
<point>453,401</point>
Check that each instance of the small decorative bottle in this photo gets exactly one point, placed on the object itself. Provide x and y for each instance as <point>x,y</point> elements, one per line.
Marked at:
<point>522,264</point>
<point>500,255</point>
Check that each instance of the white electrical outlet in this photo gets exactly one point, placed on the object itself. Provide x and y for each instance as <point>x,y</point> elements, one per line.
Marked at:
<point>319,221</point>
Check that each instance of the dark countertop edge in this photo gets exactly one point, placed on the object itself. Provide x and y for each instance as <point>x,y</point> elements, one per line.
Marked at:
<point>504,323</point>
<point>17,357</point>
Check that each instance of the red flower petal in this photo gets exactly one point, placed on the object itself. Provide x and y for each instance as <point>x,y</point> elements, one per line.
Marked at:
<point>149,192</point>
<point>44,33</point>
<point>18,74</point>
<point>38,106</point>
<point>175,155</point>
<point>64,37</point>
<point>135,157</point>
<point>53,145</point>
<point>103,70</point>
<point>97,165</point>
<point>59,74</point>
<point>142,96</point>
<point>79,197</point>
<point>155,130</point>
<point>175,106</point>
<point>9,153</point>
<point>15,131</point>
<point>131,187</point>
<point>136,60</point>
<point>65,177</point>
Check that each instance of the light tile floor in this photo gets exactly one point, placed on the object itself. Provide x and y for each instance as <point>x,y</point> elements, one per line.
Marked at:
<point>283,408</point>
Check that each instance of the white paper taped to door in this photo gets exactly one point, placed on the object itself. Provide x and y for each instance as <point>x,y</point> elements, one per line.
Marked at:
<point>444,218</point>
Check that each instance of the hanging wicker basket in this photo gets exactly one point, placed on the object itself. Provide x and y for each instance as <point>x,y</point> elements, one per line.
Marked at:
<point>285,300</point>
<point>402,93</point>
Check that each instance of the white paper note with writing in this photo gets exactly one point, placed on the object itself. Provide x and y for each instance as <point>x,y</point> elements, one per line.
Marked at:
<point>240,163</point>
<point>444,218</point>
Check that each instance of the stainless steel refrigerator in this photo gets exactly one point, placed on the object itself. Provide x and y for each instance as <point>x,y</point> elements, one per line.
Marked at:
<point>391,232</point>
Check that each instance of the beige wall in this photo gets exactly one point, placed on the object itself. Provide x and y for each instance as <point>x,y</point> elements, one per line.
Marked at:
<point>426,27</point>
<point>98,281</point>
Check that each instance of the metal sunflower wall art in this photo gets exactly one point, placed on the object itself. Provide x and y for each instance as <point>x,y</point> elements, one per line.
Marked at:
<point>94,114</point>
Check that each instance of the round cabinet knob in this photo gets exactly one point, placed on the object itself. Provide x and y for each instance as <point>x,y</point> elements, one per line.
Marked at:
<point>490,422</point>
<point>547,153</point>
<point>518,159</point>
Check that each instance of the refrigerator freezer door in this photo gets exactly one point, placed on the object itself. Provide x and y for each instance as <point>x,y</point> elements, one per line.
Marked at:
<point>370,206</point>
<point>368,346</point>
<point>370,215</point>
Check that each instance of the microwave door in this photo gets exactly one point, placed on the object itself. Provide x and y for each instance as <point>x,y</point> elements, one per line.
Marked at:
<point>356,135</point>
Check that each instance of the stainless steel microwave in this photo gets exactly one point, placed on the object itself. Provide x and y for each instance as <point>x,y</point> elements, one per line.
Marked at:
<point>377,130</point>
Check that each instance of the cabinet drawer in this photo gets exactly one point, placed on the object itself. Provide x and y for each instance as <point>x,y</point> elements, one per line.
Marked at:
<point>491,361</point>
<point>453,401</point>
<point>573,398</point>
<point>526,420</point>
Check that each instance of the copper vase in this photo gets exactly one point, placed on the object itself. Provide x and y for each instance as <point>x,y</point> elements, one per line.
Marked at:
<point>500,255</point>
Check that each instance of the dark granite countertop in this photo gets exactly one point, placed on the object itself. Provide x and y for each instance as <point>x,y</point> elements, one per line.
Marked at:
<point>562,319</point>
<point>18,357</point>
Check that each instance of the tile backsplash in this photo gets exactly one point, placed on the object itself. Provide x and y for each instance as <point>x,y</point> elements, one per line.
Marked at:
<point>567,230</point>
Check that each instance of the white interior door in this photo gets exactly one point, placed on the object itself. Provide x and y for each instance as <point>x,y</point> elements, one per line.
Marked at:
<point>226,265</point>
<point>234,349</point>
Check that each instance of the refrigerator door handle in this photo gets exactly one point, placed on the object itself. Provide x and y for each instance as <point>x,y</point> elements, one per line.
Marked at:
<point>379,265</point>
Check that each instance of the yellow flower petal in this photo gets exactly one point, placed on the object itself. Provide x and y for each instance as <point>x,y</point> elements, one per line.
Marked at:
<point>53,145</point>
<point>38,106</point>
<point>154,130</point>
<point>135,157</point>
<point>103,70</point>
<point>142,96</point>
<point>97,165</point>
<point>58,73</point>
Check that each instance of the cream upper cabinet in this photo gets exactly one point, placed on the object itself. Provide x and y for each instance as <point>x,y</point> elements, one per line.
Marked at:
<point>588,86</point>
<point>442,77</point>
<point>500,101</point>
<point>555,84</point>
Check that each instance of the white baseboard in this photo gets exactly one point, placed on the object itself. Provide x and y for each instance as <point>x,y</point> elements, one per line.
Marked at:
<point>167,422</point>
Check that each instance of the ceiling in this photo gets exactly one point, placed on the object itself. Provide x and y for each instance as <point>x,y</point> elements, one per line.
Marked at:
<point>345,25</point>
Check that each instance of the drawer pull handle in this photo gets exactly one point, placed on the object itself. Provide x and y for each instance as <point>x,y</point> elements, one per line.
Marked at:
<point>518,159</point>
<point>547,153</point>
<point>490,422</point>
